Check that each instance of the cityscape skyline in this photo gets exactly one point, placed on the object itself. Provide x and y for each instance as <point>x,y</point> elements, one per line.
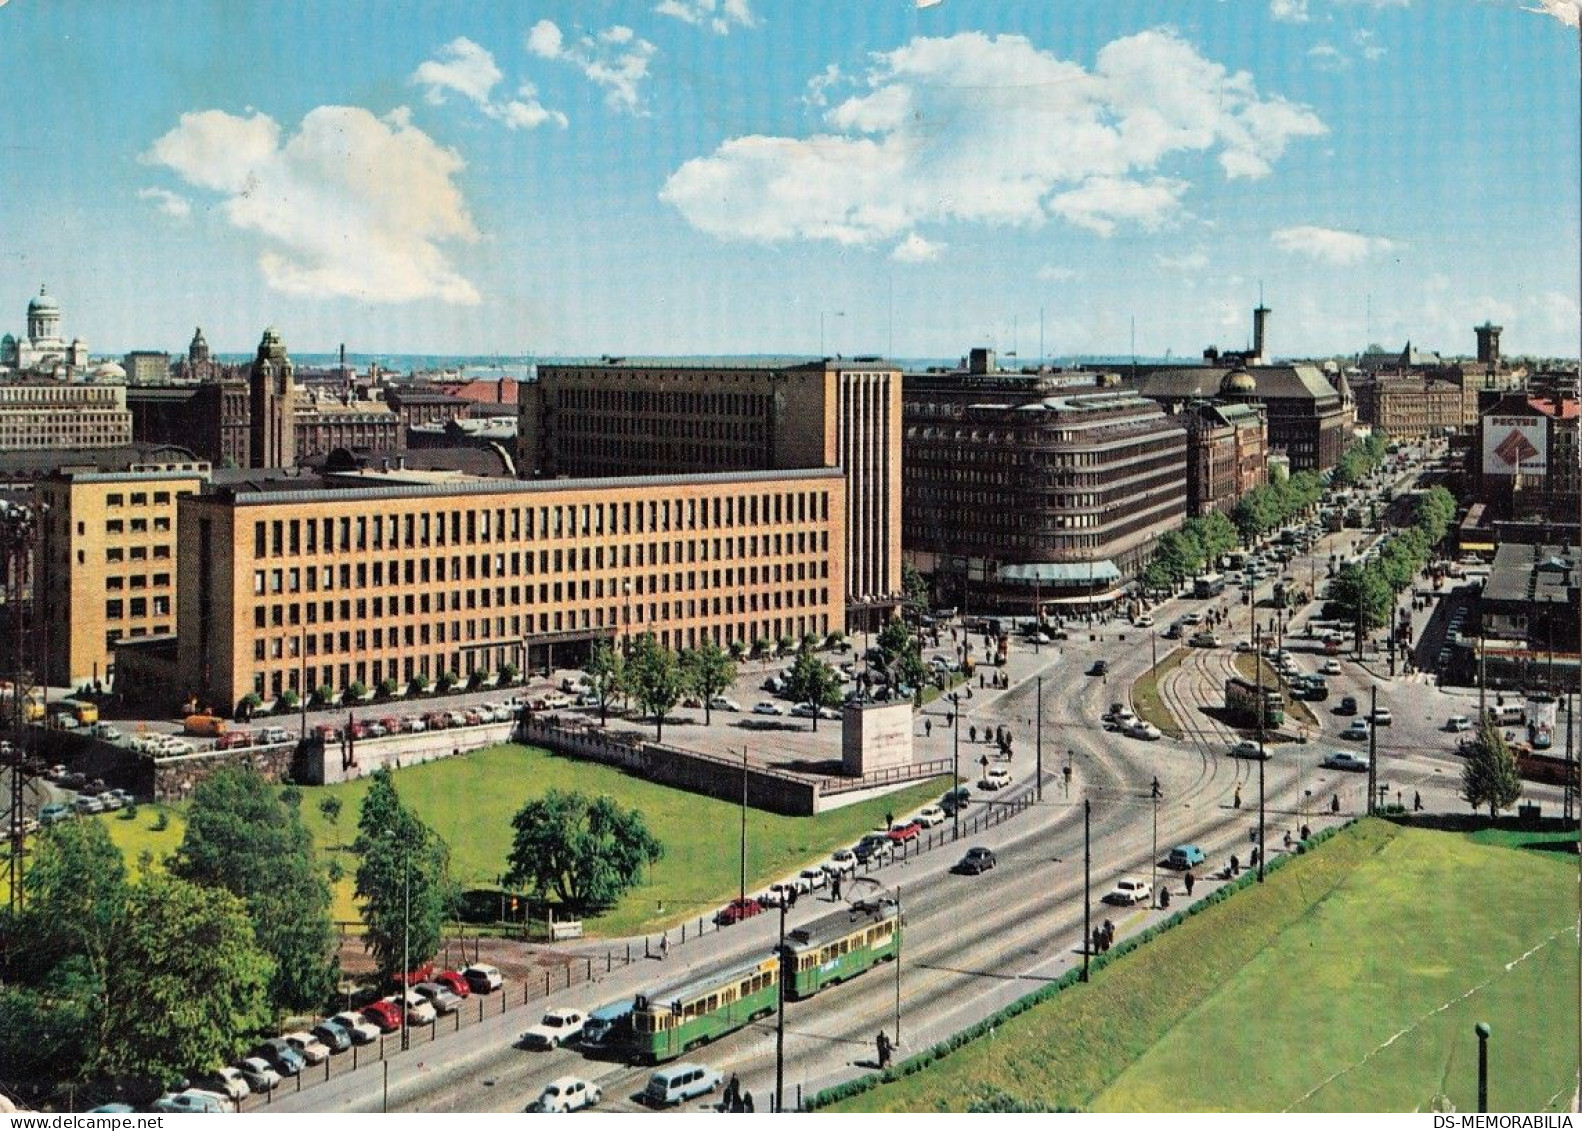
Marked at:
<point>905,181</point>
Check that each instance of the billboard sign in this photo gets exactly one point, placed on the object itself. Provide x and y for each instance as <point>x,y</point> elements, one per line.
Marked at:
<point>1515,445</point>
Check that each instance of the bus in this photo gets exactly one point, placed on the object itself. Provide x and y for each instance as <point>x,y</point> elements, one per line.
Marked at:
<point>1209,585</point>
<point>840,946</point>
<point>1241,703</point>
<point>85,713</point>
<point>667,1021</point>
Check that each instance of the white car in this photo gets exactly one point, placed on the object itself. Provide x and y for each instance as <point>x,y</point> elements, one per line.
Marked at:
<point>557,1027</point>
<point>812,878</point>
<point>361,1030</point>
<point>804,711</point>
<point>1143,621</point>
<point>1458,724</point>
<point>1345,760</point>
<point>842,862</point>
<point>311,1048</point>
<point>1123,718</point>
<point>1144,730</point>
<point>998,777</point>
<point>931,815</point>
<point>443,1000</point>
<point>230,1083</point>
<point>259,1076</point>
<point>419,1011</point>
<point>766,707</point>
<point>1331,667</point>
<point>722,703</point>
<point>1129,891</point>
<point>568,1093</point>
<point>1358,730</point>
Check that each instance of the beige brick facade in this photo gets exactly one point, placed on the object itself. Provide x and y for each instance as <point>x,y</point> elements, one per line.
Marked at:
<point>407,575</point>
<point>52,414</point>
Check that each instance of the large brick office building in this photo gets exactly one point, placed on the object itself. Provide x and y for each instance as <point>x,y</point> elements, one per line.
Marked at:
<point>673,416</point>
<point>399,574</point>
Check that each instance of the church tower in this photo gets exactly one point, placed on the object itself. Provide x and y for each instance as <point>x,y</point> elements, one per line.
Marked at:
<point>272,405</point>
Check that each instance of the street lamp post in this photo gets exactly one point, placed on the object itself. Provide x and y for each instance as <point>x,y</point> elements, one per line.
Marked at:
<point>742,893</point>
<point>1482,1030</point>
<point>955,771</point>
<point>1038,733</point>
<point>780,1018</point>
<point>1087,880</point>
<point>1153,887</point>
<point>1262,715</point>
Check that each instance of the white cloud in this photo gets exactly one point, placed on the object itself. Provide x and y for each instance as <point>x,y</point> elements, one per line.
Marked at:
<point>1329,245</point>
<point>719,16</point>
<point>350,205</point>
<point>1566,11</point>
<point>616,59</point>
<point>819,85</point>
<point>1327,57</point>
<point>467,69</point>
<point>993,130</point>
<point>1050,273</point>
<point>1186,261</point>
<point>1289,11</point>
<point>171,204</point>
<point>915,249</point>
<point>1364,39</point>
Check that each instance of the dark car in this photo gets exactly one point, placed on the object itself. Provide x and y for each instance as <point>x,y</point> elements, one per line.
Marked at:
<point>1348,706</point>
<point>977,861</point>
<point>1100,667</point>
<point>737,910</point>
<point>332,1036</point>
<point>280,1056</point>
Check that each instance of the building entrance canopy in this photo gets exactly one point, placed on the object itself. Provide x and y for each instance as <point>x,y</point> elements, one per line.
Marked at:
<point>1058,574</point>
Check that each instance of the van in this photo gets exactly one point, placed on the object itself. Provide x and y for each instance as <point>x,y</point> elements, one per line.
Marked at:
<point>270,736</point>
<point>679,1083</point>
<point>205,726</point>
<point>1508,715</point>
<point>604,1021</point>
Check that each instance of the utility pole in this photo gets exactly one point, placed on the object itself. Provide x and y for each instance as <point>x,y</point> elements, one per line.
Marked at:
<point>897,965</point>
<point>1038,784</point>
<point>780,1018</point>
<point>1263,713</point>
<point>1373,745</point>
<point>742,891</point>
<point>1153,887</point>
<point>955,772</point>
<point>1087,881</point>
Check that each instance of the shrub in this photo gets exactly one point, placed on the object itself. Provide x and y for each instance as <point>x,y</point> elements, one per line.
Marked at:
<point>289,700</point>
<point>418,686</point>
<point>161,821</point>
<point>387,687</point>
<point>475,678</point>
<point>358,690</point>
<point>508,673</point>
<point>324,695</point>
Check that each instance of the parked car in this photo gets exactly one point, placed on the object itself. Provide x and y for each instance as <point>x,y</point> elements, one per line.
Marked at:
<point>904,831</point>
<point>359,1028</point>
<point>87,803</point>
<point>557,1027</point>
<point>454,982</point>
<point>110,801</point>
<point>1184,856</point>
<point>737,910</point>
<point>386,1015</point>
<point>418,1009</point>
<point>842,862</point>
<point>1129,891</point>
<point>191,1100</point>
<point>1247,749</point>
<point>879,851</point>
<point>228,1082</point>
<point>568,1093</point>
<point>259,1076</point>
<point>931,815</point>
<point>724,703</point>
<point>766,707</point>
<point>1345,760</point>
<point>281,1056</point>
<point>997,777</point>
<point>54,813</point>
<point>483,978</point>
<point>1358,730</point>
<point>270,736</point>
<point>443,1001</point>
<point>332,1036</point>
<point>813,878</point>
<point>1458,724</point>
<point>977,861</point>
<point>308,1046</point>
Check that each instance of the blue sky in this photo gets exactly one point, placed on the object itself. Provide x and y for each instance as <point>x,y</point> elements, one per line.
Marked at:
<point>727,176</point>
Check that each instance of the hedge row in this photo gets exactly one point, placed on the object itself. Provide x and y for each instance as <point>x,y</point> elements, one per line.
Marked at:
<point>998,1100</point>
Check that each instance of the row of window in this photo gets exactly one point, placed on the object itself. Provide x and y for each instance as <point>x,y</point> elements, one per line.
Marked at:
<point>137,607</point>
<point>116,582</point>
<point>363,532</point>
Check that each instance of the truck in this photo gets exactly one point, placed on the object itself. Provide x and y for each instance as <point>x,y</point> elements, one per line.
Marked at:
<point>1002,650</point>
<point>204,726</point>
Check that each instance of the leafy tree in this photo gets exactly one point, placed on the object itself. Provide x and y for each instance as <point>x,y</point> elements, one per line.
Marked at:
<point>1489,776</point>
<point>403,879</point>
<point>607,676</point>
<point>588,851</point>
<point>388,687</point>
<point>191,985</point>
<point>656,680</point>
<point>243,838</point>
<point>915,591</point>
<point>814,682</point>
<point>52,1032</point>
<point>708,671</point>
<point>1435,511</point>
<point>290,700</point>
<point>1354,588</point>
<point>903,658</point>
<point>74,892</point>
<point>325,695</point>
<point>1216,534</point>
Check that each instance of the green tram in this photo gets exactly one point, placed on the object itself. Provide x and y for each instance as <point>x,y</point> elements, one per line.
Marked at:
<point>839,946</point>
<point>1241,703</point>
<point>666,1022</point>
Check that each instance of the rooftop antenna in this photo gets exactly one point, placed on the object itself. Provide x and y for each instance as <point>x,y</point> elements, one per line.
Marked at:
<point>1134,347</point>
<point>1041,354</point>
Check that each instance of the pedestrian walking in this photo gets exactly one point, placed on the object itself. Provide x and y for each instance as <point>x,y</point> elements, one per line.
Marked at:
<point>1252,861</point>
<point>733,1093</point>
<point>747,1102</point>
<point>664,947</point>
<point>1236,801</point>
<point>889,819</point>
<point>928,728</point>
<point>1417,802</point>
<point>1189,880</point>
<point>1334,803</point>
<point>972,733</point>
<point>1235,865</point>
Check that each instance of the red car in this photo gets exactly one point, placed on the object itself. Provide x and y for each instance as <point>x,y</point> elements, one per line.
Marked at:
<point>453,982</point>
<point>737,910</point>
<point>437,720</point>
<point>385,1014</point>
<point>900,834</point>
<point>234,740</point>
<point>423,973</point>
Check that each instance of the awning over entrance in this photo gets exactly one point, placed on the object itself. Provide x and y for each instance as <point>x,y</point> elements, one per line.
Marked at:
<point>1101,572</point>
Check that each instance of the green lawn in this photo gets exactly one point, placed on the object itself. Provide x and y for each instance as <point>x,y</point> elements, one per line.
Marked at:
<point>1350,981</point>
<point>471,799</point>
